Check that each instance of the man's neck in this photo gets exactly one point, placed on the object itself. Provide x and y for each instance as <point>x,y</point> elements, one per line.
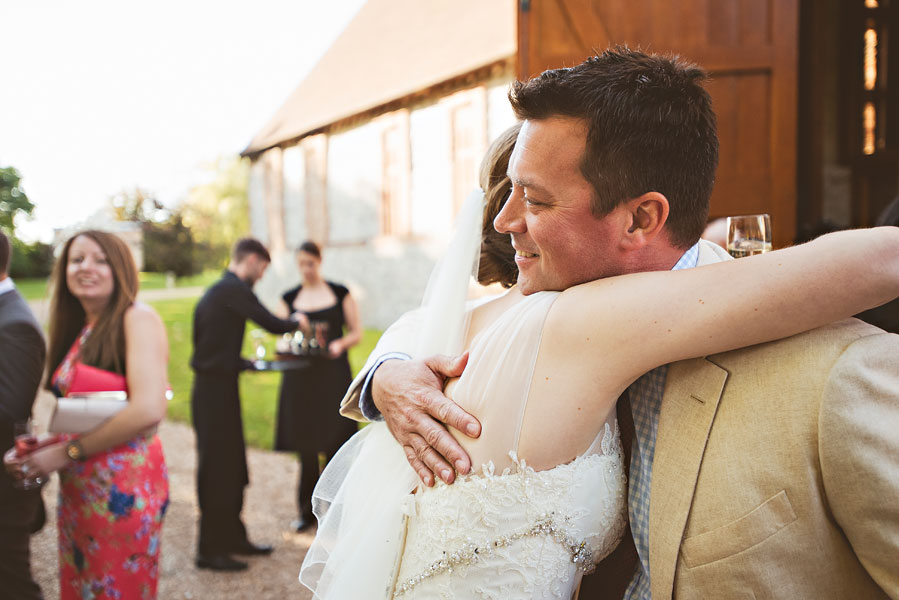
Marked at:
<point>6,284</point>
<point>240,273</point>
<point>660,257</point>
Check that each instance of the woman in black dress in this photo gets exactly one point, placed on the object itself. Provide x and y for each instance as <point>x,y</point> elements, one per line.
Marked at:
<point>308,418</point>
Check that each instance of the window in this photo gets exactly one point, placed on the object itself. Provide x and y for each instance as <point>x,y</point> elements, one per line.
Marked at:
<point>467,111</point>
<point>394,211</point>
<point>315,154</point>
<point>465,127</point>
<point>875,21</point>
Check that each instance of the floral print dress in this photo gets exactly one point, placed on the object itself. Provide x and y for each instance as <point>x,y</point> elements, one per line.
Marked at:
<point>110,513</point>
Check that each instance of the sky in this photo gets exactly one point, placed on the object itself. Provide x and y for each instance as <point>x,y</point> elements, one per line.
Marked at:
<point>98,96</point>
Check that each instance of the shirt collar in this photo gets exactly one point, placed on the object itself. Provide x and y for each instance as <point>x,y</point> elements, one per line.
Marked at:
<point>7,285</point>
<point>689,258</point>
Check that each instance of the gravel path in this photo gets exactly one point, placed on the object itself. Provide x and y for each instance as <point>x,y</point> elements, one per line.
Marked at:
<point>269,505</point>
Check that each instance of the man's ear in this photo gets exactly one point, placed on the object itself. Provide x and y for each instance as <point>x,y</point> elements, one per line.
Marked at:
<point>647,215</point>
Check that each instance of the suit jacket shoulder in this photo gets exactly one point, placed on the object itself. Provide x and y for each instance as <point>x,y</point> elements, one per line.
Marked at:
<point>20,369</point>
<point>14,309</point>
<point>750,470</point>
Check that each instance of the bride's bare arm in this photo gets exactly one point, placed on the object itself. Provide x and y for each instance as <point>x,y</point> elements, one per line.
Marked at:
<point>636,322</point>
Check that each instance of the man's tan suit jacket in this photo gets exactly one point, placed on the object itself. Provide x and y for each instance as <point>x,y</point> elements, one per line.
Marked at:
<point>776,470</point>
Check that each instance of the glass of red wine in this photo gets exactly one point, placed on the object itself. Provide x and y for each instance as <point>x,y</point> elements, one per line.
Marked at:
<point>26,442</point>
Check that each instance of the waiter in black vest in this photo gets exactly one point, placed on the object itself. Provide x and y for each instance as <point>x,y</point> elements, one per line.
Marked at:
<point>22,353</point>
<point>219,323</point>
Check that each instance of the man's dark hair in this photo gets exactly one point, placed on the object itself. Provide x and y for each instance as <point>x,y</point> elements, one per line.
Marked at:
<point>5,253</point>
<point>246,246</point>
<point>650,128</point>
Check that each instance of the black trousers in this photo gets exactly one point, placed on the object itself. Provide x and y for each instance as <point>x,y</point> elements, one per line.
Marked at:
<point>309,472</point>
<point>15,553</point>
<point>221,462</point>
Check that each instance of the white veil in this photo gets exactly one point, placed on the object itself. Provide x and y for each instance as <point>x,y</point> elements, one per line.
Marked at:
<point>364,494</point>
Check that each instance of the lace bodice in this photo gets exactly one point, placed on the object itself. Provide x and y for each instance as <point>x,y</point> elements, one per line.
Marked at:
<point>518,534</point>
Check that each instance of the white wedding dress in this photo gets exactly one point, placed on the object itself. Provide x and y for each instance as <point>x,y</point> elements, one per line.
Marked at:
<point>509,531</point>
<point>504,532</point>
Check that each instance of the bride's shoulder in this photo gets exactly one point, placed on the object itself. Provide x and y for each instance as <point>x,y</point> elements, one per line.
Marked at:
<point>484,295</point>
<point>511,305</point>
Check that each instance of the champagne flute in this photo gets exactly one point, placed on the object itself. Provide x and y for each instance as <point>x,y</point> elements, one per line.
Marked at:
<point>748,235</point>
<point>258,338</point>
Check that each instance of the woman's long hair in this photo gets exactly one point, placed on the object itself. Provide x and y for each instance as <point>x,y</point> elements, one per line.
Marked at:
<point>105,347</point>
<point>497,263</point>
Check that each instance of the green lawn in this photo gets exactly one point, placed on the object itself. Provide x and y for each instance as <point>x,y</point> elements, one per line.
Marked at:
<point>258,391</point>
<point>32,289</point>
<point>157,281</point>
<point>35,289</point>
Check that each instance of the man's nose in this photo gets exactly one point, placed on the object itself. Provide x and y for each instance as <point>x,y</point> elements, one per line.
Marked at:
<point>510,218</point>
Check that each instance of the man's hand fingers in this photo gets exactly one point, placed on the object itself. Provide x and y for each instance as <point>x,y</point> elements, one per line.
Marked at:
<point>445,444</point>
<point>424,473</point>
<point>447,411</point>
<point>409,395</point>
<point>432,459</point>
<point>447,366</point>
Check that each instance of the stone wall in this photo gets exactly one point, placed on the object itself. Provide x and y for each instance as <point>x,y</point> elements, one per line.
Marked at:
<point>386,273</point>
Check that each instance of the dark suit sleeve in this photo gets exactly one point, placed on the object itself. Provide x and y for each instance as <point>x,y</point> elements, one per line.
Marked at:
<point>248,306</point>
<point>21,366</point>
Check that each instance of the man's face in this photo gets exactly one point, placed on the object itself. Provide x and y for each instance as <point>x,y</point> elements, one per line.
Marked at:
<point>558,241</point>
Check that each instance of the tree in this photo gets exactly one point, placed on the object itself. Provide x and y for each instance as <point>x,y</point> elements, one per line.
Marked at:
<point>30,260</point>
<point>168,243</point>
<point>138,206</point>
<point>170,246</point>
<point>218,212</point>
<point>13,200</point>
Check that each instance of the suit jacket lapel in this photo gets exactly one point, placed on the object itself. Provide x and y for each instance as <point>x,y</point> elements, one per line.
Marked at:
<point>692,392</point>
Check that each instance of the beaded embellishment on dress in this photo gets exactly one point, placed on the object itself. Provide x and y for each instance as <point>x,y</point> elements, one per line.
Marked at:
<point>546,525</point>
<point>522,531</point>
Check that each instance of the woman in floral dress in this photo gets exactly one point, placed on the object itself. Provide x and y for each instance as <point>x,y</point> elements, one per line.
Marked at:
<point>113,480</point>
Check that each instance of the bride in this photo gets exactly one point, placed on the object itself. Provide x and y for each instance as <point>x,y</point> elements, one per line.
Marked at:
<point>549,501</point>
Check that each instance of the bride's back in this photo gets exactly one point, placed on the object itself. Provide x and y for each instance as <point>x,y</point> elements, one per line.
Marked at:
<point>509,385</point>
<point>508,531</point>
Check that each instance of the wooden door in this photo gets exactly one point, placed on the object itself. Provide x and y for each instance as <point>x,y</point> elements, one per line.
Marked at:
<point>749,47</point>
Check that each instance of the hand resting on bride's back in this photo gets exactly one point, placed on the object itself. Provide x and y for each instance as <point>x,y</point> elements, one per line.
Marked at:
<point>409,395</point>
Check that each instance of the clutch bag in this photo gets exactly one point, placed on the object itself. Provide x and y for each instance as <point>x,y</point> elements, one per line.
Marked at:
<point>82,412</point>
<point>88,379</point>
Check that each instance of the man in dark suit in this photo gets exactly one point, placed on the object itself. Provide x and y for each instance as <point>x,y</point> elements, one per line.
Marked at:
<point>219,324</point>
<point>22,353</point>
